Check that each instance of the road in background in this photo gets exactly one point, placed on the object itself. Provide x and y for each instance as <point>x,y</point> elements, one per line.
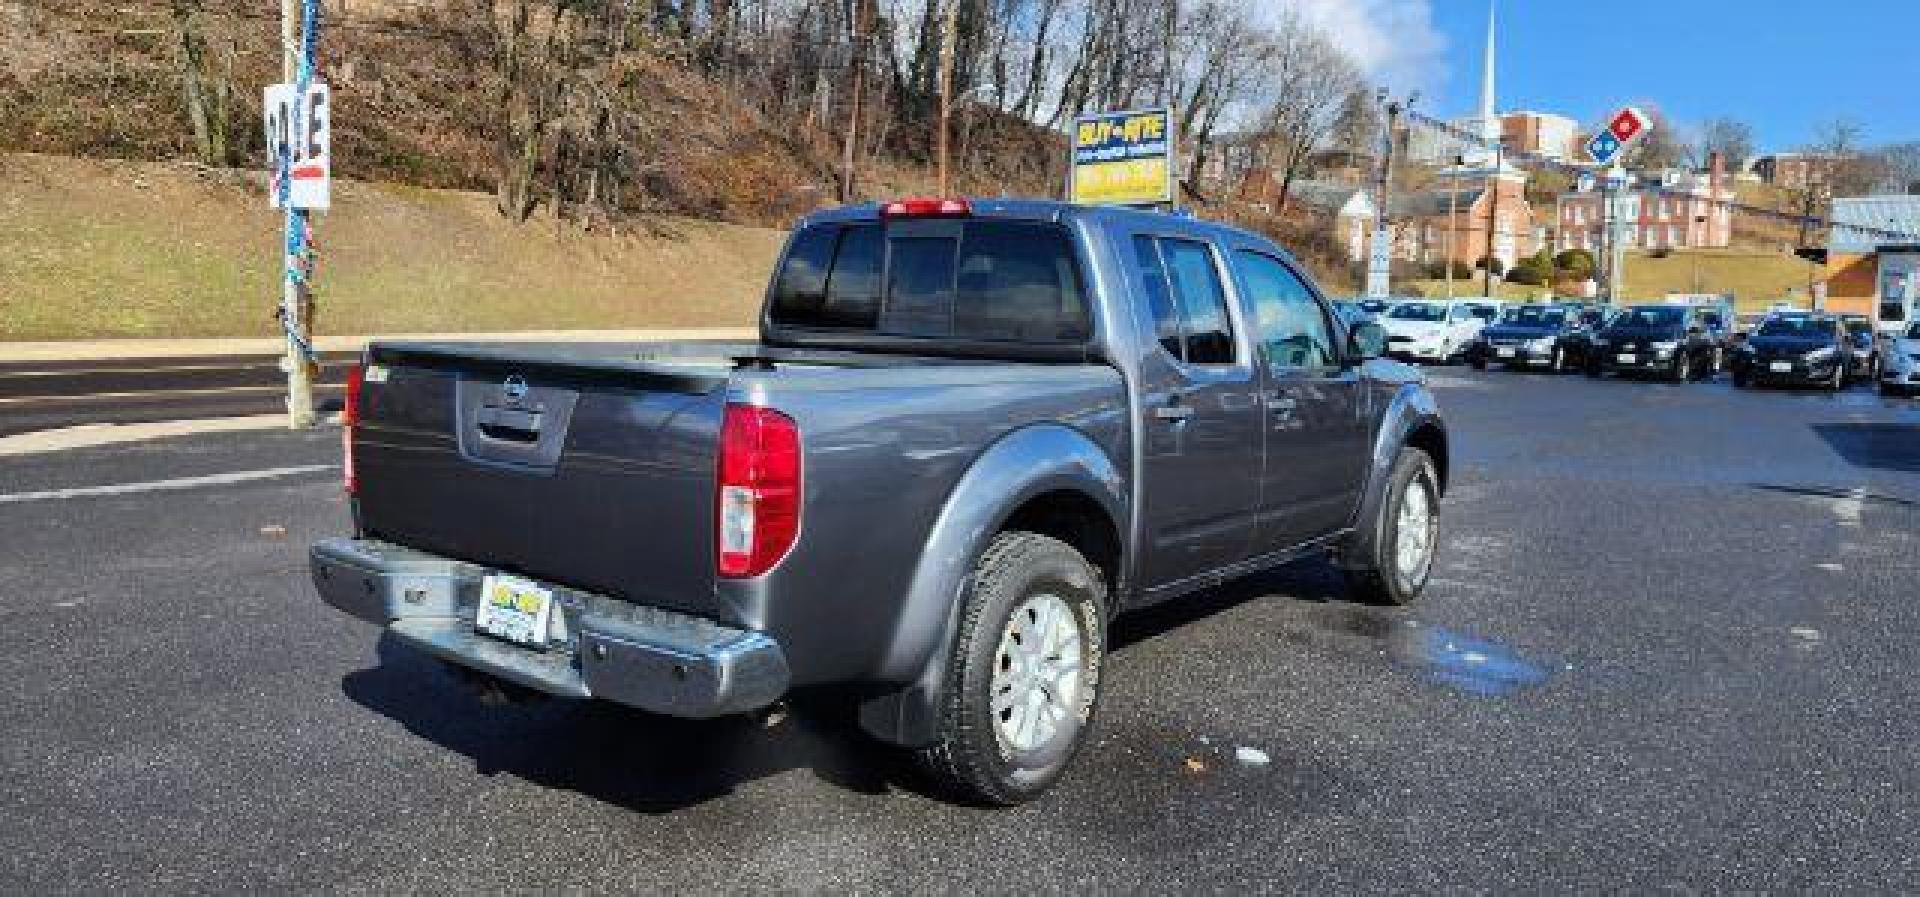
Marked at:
<point>43,395</point>
<point>1668,646</point>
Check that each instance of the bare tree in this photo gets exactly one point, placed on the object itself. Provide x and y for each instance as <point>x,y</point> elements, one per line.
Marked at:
<point>1308,80</point>
<point>206,89</point>
<point>1732,139</point>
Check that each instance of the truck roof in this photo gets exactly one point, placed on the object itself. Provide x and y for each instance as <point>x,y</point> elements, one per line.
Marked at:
<point>1059,210</point>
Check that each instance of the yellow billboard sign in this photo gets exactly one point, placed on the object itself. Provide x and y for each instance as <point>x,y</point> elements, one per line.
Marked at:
<point>1122,158</point>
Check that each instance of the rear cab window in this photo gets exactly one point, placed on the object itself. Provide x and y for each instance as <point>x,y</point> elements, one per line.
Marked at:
<point>975,280</point>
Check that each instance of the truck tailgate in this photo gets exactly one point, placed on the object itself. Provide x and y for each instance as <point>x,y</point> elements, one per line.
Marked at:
<point>579,466</point>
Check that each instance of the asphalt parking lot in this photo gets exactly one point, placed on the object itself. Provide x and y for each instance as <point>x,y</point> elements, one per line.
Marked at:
<point>1670,644</point>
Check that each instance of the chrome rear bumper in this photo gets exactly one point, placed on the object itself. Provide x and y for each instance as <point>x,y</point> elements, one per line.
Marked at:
<point>656,660</point>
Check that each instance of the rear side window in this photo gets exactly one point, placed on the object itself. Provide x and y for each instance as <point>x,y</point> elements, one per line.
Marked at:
<point>1188,302</point>
<point>831,279</point>
<point>1004,281</point>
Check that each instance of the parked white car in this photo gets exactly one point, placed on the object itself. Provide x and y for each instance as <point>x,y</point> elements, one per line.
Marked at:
<point>1436,330</point>
<point>1900,362</point>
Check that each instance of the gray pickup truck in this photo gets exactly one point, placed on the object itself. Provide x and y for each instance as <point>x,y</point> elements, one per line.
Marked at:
<point>970,435</point>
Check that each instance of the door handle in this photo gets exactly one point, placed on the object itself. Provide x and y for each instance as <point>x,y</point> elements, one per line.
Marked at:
<point>1175,413</point>
<point>1282,404</point>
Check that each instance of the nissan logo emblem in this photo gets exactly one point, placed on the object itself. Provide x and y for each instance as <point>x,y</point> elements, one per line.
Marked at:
<point>515,388</point>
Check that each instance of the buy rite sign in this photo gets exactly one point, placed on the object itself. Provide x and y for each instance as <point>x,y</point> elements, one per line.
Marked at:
<point>1122,158</point>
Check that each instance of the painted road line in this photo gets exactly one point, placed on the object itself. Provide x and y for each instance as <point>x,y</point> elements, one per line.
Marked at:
<point>158,393</point>
<point>217,479</point>
<point>267,365</point>
<point>92,435</point>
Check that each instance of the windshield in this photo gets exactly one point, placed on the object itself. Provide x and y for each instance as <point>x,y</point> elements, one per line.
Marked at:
<point>1649,317</point>
<point>1534,316</point>
<point>1796,327</point>
<point>1418,311</point>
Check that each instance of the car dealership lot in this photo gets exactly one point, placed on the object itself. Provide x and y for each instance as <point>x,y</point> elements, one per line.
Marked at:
<point>1669,643</point>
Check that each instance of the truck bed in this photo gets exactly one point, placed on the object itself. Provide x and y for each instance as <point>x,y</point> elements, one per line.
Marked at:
<point>594,466</point>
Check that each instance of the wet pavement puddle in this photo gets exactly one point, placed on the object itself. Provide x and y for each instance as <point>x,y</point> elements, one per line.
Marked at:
<point>1441,656</point>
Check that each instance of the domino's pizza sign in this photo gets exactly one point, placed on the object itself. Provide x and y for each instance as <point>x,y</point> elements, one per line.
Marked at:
<point>1623,130</point>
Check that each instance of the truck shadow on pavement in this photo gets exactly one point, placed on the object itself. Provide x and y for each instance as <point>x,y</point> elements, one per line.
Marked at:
<point>658,764</point>
<point>643,762</point>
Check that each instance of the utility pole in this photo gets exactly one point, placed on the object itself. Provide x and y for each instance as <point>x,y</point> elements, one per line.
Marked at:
<point>863,24</point>
<point>1453,218</point>
<point>1379,276</point>
<point>294,303</point>
<point>1493,210</point>
<point>949,32</point>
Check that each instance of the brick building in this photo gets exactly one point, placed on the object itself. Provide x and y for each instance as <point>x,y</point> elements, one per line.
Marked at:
<point>1668,210</point>
<point>1451,221</point>
<point>1544,133</point>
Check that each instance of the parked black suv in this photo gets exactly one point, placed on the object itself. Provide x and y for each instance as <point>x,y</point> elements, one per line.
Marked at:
<point>1803,348</point>
<point>1677,342</point>
<point>1531,336</point>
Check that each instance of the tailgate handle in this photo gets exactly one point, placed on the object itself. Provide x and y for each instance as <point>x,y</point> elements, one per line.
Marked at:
<point>508,424</point>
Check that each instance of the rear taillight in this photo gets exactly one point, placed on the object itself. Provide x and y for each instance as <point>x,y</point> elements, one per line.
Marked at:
<point>926,207</point>
<point>349,418</point>
<point>757,501</point>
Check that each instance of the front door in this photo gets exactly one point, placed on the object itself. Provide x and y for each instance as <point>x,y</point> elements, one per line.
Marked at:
<point>1316,417</point>
<point>1200,397</point>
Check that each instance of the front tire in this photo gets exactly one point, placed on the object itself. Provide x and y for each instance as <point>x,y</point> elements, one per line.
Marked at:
<point>1682,367</point>
<point>1405,535</point>
<point>1838,381</point>
<point>1559,362</point>
<point>1023,675</point>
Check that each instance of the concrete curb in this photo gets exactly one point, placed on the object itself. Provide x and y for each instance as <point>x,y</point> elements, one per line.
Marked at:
<point>103,350</point>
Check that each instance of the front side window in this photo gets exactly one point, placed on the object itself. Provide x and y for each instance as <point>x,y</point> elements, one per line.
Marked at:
<point>1291,325</point>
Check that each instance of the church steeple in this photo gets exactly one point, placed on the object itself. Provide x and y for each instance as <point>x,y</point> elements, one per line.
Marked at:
<point>1489,113</point>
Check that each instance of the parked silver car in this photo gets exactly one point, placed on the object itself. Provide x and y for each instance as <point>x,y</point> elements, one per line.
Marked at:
<point>1900,362</point>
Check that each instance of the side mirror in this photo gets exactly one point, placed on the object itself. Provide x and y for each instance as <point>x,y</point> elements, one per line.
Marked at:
<point>1695,330</point>
<point>1368,340</point>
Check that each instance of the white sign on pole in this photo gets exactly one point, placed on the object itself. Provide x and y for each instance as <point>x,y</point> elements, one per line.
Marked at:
<point>305,145</point>
<point>1380,265</point>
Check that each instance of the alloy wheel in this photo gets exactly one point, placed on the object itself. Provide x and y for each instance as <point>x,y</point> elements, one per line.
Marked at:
<point>1036,673</point>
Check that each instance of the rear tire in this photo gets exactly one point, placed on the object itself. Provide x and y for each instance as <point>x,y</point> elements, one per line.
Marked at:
<point>1023,674</point>
<point>1405,535</point>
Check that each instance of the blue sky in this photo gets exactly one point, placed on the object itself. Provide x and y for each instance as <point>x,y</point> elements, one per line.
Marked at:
<point>1782,66</point>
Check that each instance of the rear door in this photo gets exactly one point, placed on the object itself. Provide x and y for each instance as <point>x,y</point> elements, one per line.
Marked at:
<point>1315,420</point>
<point>1202,429</point>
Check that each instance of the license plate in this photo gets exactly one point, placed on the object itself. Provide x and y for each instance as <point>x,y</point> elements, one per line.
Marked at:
<point>1505,353</point>
<point>1626,358</point>
<point>1781,367</point>
<point>514,609</point>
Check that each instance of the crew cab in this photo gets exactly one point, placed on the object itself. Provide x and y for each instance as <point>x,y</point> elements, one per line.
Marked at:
<point>1435,330</point>
<point>1675,342</point>
<point>970,434</point>
<point>1532,336</point>
<point>1803,348</point>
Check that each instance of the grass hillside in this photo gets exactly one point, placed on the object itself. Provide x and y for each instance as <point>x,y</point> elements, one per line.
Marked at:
<point>102,248</point>
<point>1756,278</point>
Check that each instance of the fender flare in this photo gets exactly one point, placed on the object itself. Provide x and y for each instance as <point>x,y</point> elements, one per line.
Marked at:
<point>1020,466</point>
<point>1412,409</point>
